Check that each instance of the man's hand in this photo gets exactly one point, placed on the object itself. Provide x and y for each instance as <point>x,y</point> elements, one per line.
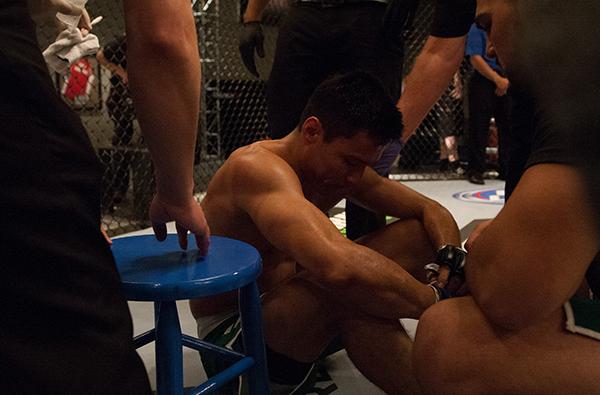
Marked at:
<point>45,11</point>
<point>106,236</point>
<point>501,86</point>
<point>251,39</point>
<point>479,229</point>
<point>122,73</point>
<point>188,217</point>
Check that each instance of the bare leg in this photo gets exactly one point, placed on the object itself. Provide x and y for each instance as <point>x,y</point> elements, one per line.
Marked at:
<point>405,242</point>
<point>451,148</point>
<point>382,351</point>
<point>301,318</point>
<point>458,352</point>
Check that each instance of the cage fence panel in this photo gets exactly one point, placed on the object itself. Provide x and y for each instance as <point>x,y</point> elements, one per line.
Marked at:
<point>233,105</point>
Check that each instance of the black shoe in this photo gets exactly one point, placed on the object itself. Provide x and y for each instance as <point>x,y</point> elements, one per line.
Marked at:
<point>476,179</point>
<point>444,165</point>
<point>456,168</point>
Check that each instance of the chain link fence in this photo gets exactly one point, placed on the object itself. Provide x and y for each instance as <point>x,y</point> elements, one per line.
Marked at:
<point>233,106</point>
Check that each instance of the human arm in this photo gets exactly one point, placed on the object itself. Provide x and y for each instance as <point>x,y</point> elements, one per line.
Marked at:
<point>430,76</point>
<point>112,67</point>
<point>389,197</point>
<point>485,70</point>
<point>533,256</point>
<point>254,10</point>
<point>162,48</point>
<point>272,196</point>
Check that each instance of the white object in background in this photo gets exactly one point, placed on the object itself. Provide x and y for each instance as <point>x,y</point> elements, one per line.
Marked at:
<point>71,20</point>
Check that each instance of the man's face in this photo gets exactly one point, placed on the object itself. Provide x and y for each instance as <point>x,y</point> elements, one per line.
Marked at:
<point>499,18</point>
<point>336,165</point>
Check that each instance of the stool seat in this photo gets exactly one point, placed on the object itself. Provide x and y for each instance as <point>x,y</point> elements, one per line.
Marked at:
<point>161,271</point>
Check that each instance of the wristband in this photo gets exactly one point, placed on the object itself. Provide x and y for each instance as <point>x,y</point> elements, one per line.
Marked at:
<point>440,293</point>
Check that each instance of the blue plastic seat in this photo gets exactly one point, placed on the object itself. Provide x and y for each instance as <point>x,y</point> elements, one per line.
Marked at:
<point>162,273</point>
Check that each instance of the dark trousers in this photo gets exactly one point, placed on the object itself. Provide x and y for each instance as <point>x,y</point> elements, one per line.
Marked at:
<point>483,105</point>
<point>315,43</point>
<point>65,326</point>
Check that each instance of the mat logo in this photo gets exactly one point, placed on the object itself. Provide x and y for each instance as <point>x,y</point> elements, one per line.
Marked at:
<point>489,196</point>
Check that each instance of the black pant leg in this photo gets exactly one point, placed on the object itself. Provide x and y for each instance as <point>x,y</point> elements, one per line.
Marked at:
<point>298,67</point>
<point>481,96</point>
<point>362,46</point>
<point>500,112</point>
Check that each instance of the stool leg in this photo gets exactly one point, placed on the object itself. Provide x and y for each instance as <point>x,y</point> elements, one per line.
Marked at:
<point>252,331</point>
<point>169,354</point>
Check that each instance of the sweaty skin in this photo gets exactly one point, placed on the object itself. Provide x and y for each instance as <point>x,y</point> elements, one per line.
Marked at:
<point>274,195</point>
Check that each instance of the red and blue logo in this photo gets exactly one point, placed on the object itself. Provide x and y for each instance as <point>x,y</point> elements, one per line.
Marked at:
<point>488,196</point>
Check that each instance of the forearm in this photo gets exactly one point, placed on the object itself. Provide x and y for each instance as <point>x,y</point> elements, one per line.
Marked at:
<point>440,225</point>
<point>254,10</point>
<point>112,67</point>
<point>481,66</point>
<point>430,76</point>
<point>164,68</point>
<point>533,256</point>
<point>375,284</point>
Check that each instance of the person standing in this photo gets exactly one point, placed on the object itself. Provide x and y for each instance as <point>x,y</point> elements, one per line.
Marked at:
<point>319,38</point>
<point>66,328</point>
<point>487,98</point>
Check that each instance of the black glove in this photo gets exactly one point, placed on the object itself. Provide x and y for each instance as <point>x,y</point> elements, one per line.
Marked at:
<point>251,38</point>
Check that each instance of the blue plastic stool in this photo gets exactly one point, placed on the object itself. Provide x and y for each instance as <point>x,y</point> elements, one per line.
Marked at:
<point>162,273</point>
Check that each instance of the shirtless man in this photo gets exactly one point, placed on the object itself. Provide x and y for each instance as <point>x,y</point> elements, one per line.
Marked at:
<point>317,284</point>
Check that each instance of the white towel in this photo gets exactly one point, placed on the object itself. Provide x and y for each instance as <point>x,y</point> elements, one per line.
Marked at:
<point>70,45</point>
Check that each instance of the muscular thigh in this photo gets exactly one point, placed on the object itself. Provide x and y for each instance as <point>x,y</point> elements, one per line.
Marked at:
<point>483,359</point>
<point>299,318</point>
<point>404,241</point>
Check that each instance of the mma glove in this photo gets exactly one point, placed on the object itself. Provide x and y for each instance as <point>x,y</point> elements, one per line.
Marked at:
<point>251,39</point>
<point>453,258</point>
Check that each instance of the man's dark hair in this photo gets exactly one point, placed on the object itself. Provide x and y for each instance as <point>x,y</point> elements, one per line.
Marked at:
<point>349,103</point>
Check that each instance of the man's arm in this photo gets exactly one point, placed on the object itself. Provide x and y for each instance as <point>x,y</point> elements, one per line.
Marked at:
<point>254,10</point>
<point>485,70</point>
<point>389,197</point>
<point>273,198</point>
<point>534,255</point>
<point>112,67</point>
<point>428,79</point>
<point>164,75</point>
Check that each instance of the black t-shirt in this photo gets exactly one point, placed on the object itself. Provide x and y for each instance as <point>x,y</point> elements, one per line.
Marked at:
<point>453,18</point>
<point>532,138</point>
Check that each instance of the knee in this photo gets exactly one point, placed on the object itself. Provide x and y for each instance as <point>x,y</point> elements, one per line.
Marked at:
<point>433,335</point>
<point>438,349</point>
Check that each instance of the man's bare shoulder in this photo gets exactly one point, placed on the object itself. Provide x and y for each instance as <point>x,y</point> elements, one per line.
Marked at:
<point>261,165</point>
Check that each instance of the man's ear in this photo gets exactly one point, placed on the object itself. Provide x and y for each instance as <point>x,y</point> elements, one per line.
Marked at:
<point>312,129</point>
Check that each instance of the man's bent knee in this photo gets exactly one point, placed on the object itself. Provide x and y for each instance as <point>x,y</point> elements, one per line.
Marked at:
<point>446,336</point>
<point>437,348</point>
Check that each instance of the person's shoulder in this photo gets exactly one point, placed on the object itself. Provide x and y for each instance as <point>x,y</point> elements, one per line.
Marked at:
<point>258,166</point>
